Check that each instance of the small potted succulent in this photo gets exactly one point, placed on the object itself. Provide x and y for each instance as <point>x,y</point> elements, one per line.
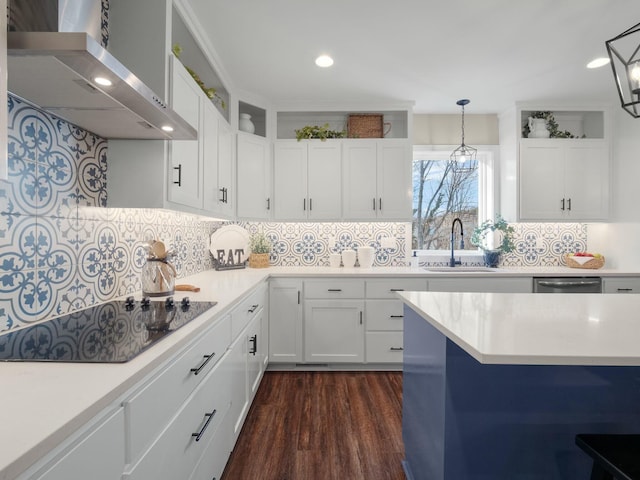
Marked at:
<point>260,247</point>
<point>493,238</point>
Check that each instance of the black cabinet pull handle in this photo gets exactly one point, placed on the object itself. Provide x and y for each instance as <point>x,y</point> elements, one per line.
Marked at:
<point>360,317</point>
<point>179,168</point>
<point>380,204</point>
<point>207,359</point>
<point>268,204</point>
<point>396,349</point>
<point>199,434</point>
<point>396,289</point>
<point>304,204</point>
<point>310,204</point>
<point>396,316</point>
<point>374,204</point>
<point>253,308</point>
<point>562,207</point>
<point>298,297</point>
<point>334,290</point>
<point>625,289</point>
<point>569,204</point>
<point>254,347</point>
<point>222,191</point>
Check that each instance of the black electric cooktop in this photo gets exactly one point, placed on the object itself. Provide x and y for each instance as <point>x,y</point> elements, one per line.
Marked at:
<point>113,332</point>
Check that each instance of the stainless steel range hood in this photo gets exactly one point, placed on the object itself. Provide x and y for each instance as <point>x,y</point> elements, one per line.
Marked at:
<point>56,71</point>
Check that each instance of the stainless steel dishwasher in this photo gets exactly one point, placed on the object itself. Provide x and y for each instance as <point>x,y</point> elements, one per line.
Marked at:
<point>567,285</point>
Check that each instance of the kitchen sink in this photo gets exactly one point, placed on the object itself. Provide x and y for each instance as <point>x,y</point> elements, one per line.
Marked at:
<point>459,269</point>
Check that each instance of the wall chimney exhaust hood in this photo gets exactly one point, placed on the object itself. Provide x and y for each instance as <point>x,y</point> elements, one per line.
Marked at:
<point>56,72</point>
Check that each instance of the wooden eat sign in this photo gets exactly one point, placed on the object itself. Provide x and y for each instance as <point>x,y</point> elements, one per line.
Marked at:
<point>229,259</point>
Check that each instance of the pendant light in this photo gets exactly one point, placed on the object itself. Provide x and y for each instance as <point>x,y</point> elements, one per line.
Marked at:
<point>624,52</point>
<point>463,153</point>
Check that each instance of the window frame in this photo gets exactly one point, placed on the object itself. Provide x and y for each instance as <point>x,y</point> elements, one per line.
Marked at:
<point>488,181</point>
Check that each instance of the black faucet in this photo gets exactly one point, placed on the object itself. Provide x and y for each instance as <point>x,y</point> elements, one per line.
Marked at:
<point>452,261</point>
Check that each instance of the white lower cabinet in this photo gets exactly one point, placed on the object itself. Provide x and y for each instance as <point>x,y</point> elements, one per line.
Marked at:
<point>179,448</point>
<point>490,285</point>
<point>96,452</point>
<point>285,320</point>
<point>334,331</point>
<point>384,318</point>
<point>621,285</point>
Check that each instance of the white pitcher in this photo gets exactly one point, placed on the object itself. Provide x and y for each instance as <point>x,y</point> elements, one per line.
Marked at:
<point>538,128</point>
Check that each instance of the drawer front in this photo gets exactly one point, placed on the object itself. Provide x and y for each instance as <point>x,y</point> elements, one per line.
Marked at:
<point>387,288</point>
<point>149,410</point>
<point>99,456</point>
<point>621,285</point>
<point>384,315</point>
<point>384,347</point>
<point>248,308</point>
<point>334,288</point>
<point>178,450</point>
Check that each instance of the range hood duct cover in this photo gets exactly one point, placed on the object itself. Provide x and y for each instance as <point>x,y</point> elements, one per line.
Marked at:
<point>55,71</point>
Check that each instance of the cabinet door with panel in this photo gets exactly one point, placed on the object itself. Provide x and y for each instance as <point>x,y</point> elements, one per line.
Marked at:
<point>253,197</point>
<point>360,178</point>
<point>285,320</point>
<point>324,201</point>
<point>395,193</point>
<point>185,175</point>
<point>290,180</point>
<point>334,331</point>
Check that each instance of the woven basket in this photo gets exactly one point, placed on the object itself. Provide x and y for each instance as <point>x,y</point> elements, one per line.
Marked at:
<point>259,260</point>
<point>370,125</point>
<point>592,264</point>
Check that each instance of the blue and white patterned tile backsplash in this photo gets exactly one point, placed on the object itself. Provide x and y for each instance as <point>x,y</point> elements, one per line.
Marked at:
<point>62,249</point>
<point>309,244</point>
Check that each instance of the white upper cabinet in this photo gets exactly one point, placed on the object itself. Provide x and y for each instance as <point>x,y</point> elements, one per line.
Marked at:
<point>564,180</point>
<point>307,180</point>
<point>185,175</point>
<point>561,170</point>
<point>377,180</point>
<point>253,177</point>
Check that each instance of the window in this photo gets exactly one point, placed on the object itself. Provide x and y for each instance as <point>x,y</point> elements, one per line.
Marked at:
<point>443,191</point>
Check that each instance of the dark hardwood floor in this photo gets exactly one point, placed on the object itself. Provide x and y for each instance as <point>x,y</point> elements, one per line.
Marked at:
<point>322,426</point>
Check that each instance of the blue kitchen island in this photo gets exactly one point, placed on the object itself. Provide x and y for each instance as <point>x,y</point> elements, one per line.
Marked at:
<point>496,386</point>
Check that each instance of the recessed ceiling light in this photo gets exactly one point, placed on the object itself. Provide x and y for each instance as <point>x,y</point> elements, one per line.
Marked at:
<point>598,62</point>
<point>167,128</point>
<point>324,61</point>
<point>103,81</point>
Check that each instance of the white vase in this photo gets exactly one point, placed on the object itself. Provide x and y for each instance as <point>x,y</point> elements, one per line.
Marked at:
<point>365,256</point>
<point>245,124</point>
<point>538,128</point>
<point>349,258</point>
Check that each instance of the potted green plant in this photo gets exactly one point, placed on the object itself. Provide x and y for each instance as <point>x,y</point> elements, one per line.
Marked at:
<point>260,247</point>
<point>493,238</point>
<point>322,132</point>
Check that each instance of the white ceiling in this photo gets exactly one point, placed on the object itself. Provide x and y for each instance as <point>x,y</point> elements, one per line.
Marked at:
<point>431,52</point>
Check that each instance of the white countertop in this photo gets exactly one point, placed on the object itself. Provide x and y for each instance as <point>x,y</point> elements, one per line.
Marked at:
<point>43,403</point>
<point>536,329</point>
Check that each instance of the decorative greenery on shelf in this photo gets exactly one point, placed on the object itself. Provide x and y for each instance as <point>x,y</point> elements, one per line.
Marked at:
<point>259,243</point>
<point>552,126</point>
<point>323,132</point>
<point>209,91</point>
<point>506,233</point>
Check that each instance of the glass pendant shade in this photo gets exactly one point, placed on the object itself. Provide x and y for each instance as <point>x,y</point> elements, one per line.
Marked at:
<point>624,52</point>
<point>464,153</point>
